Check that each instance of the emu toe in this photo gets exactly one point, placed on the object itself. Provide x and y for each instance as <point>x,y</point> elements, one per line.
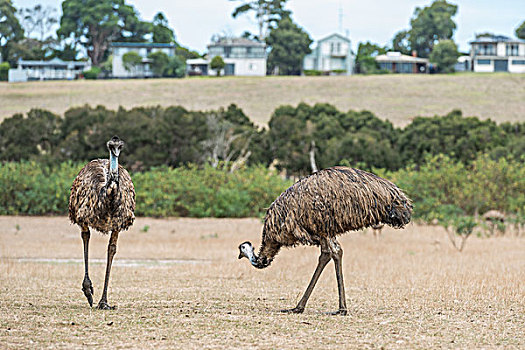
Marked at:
<point>103,305</point>
<point>87,288</point>
<point>295,310</point>
<point>341,312</point>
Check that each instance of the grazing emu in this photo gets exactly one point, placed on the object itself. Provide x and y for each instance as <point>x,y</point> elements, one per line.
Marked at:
<point>103,198</point>
<point>318,208</point>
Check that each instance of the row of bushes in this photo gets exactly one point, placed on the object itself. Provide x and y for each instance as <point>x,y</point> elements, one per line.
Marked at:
<point>174,136</point>
<point>439,185</point>
<point>36,189</point>
<point>442,186</point>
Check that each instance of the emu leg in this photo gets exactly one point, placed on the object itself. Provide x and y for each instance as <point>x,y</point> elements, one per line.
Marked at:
<point>112,249</point>
<point>87,287</point>
<point>324,259</point>
<point>337,256</point>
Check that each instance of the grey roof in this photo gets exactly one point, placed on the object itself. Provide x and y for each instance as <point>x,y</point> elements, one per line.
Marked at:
<point>495,39</point>
<point>236,42</point>
<point>55,62</point>
<point>143,45</point>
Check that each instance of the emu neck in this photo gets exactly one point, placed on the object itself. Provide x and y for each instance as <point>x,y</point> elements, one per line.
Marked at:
<point>252,257</point>
<point>113,166</point>
<point>267,252</point>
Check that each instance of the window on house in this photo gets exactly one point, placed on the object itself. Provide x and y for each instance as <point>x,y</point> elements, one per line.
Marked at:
<point>512,50</point>
<point>485,49</point>
<point>518,62</point>
<point>386,65</point>
<point>484,62</point>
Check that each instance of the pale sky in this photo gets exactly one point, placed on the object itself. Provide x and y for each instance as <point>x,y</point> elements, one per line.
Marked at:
<point>195,21</point>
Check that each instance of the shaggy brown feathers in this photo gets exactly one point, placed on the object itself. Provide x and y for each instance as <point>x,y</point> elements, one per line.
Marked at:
<point>93,203</point>
<point>329,203</point>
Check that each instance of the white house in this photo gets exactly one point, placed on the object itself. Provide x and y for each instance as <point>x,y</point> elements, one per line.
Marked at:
<point>396,62</point>
<point>497,53</point>
<point>54,69</point>
<point>243,57</point>
<point>332,55</point>
<point>119,49</point>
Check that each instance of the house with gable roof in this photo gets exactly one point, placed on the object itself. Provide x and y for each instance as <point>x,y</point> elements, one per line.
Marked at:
<point>331,55</point>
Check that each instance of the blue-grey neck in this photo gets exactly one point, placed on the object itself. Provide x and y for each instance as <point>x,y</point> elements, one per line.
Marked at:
<point>113,163</point>
<point>252,257</point>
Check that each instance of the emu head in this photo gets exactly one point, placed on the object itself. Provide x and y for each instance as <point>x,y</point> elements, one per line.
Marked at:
<point>246,251</point>
<point>115,145</point>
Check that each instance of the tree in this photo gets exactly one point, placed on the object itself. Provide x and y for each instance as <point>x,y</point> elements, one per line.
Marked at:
<point>10,29</point>
<point>165,66</point>
<point>32,49</point>
<point>365,61</point>
<point>288,45</point>
<point>430,25</point>
<point>186,53</point>
<point>400,42</point>
<point>162,33</point>
<point>176,67</point>
<point>38,20</point>
<point>159,63</point>
<point>217,64</point>
<point>445,55</point>
<point>520,31</point>
<point>94,23</point>
<point>267,13</point>
<point>131,61</point>
<point>68,52</point>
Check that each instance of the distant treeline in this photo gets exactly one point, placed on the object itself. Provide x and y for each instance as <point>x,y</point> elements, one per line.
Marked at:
<point>174,136</point>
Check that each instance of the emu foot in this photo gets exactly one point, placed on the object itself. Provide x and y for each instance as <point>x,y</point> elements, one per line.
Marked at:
<point>103,305</point>
<point>87,288</point>
<point>295,310</point>
<point>341,312</point>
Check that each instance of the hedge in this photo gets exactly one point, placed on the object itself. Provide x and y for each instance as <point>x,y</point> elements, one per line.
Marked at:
<point>436,186</point>
<point>30,188</point>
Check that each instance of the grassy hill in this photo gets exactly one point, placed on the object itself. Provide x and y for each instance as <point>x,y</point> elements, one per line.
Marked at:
<point>398,98</point>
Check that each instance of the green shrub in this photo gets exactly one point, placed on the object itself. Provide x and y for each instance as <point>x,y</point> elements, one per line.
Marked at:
<point>442,186</point>
<point>4,70</point>
<point>204,192</point>
<point>33,189</point>
<point>92,73</point>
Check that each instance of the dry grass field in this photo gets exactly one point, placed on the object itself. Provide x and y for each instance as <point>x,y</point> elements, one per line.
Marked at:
<point>180,285</point>
<point>395,97</point>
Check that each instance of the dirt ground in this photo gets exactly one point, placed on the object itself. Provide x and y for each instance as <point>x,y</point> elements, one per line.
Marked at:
<point>397,98</point>
<point>177,283</point>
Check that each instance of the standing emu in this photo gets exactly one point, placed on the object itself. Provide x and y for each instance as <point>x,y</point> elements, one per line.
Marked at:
<point>318,208</point>
<point>103,198</point>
